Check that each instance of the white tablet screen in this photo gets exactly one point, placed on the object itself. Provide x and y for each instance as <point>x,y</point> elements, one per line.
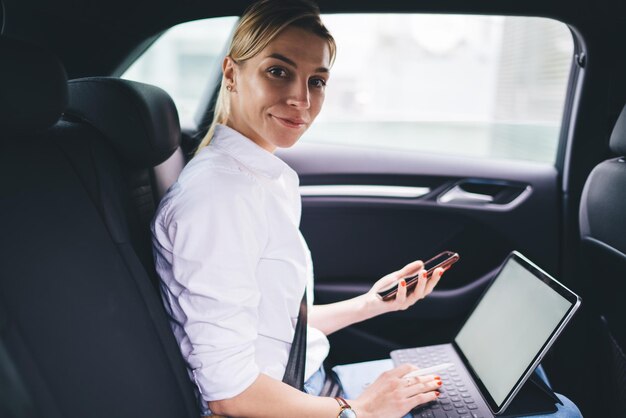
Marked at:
<point>508,328</point>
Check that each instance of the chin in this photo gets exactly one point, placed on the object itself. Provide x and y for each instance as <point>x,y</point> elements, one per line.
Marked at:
<point>286,141</point>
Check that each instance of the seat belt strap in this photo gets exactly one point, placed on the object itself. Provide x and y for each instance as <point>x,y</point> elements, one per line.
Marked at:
<point>294,372</point>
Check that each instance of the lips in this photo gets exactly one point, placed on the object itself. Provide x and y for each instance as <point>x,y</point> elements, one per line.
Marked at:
<point>295,123</point>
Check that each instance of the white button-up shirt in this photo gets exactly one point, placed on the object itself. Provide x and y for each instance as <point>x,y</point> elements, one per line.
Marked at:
<point>233,265</point>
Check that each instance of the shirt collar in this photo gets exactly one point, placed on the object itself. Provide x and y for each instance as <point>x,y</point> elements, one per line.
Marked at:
<point>247,152</point>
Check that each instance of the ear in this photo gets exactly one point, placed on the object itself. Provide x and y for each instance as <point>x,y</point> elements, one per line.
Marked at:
<point>229,68</point>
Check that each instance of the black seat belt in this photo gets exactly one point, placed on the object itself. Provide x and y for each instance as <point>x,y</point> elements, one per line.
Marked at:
<point>294,372</point>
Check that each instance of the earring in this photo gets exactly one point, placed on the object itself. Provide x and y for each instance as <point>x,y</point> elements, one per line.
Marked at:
<point>229,87</point>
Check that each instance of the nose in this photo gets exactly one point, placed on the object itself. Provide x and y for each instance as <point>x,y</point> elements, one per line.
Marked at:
<point>299,95</point>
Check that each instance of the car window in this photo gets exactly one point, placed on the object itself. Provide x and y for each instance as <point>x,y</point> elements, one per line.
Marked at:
<point>477,86</point>
<point>182,61</point>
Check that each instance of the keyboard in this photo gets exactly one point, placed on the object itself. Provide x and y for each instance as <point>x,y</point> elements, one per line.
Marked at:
<point>459,397</point>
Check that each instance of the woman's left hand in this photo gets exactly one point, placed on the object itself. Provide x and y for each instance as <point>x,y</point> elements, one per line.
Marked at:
<point>403,300</point>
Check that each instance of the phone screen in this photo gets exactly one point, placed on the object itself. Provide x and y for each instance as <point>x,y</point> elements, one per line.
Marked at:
<point>436,261</point>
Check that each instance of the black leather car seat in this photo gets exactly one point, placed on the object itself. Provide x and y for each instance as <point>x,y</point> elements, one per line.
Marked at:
<point>23,115</point>
<point>82,331</point>
<point>140,122</point>
<point>603,234</point>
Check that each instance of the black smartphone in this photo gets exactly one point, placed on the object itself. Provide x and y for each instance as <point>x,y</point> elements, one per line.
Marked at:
<point>444,259</point>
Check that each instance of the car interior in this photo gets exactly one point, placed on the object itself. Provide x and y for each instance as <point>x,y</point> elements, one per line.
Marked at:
<point>87,154</point>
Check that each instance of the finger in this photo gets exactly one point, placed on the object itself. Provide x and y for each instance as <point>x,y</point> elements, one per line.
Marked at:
<point>427,381</point>
<point>415,295</point>
<point>392,278</point>
<point>415,389</point>
<point>401,294</point>
<point>411,269</point>
<point>434,384</point>
<point>388,280</point>
<point>429,377</point>
<point>421,286</point>
<point>402,370</point>
<point>421,384</point>
<point>434,280</point>
<point>423,398</point>
<point>410,381</point>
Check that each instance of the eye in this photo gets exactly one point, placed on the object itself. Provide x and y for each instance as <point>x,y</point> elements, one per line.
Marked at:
<point>277,72</point>
<point>317,82</point>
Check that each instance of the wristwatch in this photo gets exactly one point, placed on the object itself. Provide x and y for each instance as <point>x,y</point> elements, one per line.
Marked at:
<point>346,409</point>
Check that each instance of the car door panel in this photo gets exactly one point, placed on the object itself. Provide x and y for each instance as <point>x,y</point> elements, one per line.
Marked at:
<point>481,209</point>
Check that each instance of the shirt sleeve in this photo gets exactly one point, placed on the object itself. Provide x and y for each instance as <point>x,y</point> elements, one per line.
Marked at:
<point>217,233</point>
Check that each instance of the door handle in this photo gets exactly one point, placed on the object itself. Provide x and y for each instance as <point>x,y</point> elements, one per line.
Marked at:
<point>458,195</point>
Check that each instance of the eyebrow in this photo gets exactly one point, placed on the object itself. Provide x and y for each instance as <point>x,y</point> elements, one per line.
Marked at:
<point>293,64</point>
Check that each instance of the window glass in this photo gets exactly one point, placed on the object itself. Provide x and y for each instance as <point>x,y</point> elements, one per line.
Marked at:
<point>479,86</point>
<point>182,60</point>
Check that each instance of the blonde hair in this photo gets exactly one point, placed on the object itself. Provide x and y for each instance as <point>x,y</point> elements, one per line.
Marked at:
<point>260,24</point>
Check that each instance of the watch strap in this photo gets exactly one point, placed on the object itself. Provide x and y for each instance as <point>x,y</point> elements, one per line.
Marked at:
<point>342,403</point>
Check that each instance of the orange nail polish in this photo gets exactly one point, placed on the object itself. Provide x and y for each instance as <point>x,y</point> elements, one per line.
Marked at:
<point>437,377</point>
<point>439,383</point>
<point>437,393</point>
<point>403,283</point>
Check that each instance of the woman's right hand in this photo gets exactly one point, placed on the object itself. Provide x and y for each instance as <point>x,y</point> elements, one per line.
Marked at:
<point>393,396</point>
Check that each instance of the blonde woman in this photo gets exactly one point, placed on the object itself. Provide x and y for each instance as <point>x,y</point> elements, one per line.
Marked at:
<point>227,244</point>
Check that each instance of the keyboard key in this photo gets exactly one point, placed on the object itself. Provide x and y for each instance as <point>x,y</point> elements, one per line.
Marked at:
<point>458,405</point>
<point>447,407</point>
<point>465,395</point>
<point>455,399</point>
<point>472,406</point>
<point>462,411</point>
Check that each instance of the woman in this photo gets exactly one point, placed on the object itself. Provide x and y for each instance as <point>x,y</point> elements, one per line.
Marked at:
<point>228,249</point>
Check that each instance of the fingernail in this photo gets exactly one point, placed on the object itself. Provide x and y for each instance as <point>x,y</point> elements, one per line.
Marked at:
<point>403,283</point>
<point>439,383</point>
<point>437,378</point>
<point>437,393</point>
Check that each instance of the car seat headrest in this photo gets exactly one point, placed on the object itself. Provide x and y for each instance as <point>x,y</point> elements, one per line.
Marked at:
<point>33,87</point>
<point>618,136</point>
<point>140,120</point>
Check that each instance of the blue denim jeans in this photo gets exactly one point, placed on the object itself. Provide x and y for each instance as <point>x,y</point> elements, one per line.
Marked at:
<point>354,377</point>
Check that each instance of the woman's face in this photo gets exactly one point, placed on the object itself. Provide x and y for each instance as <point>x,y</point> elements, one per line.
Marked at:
<point>276,95</point>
